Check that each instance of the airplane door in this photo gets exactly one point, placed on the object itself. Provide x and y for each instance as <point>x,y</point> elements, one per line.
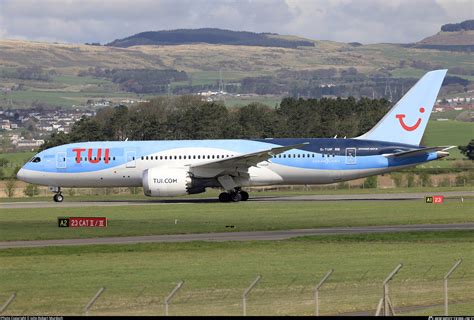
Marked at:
<point>351,156</point>
<point>130,157</point>
<point>61,160</point>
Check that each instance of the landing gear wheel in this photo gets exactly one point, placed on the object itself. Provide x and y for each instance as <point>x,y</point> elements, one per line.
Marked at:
<point>244,195</point>
<point>58,197</point>
<point>235,196</point>
<point>224,197</point>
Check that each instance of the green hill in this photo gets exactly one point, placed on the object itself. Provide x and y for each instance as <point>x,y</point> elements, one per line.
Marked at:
<point>209,35</point>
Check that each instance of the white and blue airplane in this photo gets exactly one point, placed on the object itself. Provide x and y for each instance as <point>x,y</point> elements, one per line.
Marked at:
<point>172,168</point>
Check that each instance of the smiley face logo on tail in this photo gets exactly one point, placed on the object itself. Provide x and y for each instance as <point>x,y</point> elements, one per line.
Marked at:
<point>405,126</point>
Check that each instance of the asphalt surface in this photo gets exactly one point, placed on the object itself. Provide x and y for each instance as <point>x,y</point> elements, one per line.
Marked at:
<point>237,236</point>
<point>330,197</point>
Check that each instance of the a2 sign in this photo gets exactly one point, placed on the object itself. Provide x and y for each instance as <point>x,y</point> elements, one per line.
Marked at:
<point>80,222</point>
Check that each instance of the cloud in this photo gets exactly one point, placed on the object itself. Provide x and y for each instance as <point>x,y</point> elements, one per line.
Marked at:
<point>366,21</point>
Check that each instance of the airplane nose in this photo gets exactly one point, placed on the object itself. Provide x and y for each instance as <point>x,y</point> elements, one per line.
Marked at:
<point>20,175</point>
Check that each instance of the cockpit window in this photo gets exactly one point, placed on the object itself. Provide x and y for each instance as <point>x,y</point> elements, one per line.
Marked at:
<point>36,159</point>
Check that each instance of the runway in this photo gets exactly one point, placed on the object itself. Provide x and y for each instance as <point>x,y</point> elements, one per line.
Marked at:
<point>236,236</point>
<point>254,197</point>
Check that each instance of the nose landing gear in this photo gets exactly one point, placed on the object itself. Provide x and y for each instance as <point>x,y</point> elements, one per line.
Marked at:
<point>58,197</point>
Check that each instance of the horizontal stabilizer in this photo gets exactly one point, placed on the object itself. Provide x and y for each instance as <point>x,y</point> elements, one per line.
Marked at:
<point>418,152</point>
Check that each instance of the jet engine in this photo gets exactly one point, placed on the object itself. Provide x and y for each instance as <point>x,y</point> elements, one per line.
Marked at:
<point>165,182</point>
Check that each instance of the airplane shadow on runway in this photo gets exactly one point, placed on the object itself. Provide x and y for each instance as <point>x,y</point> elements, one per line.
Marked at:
<point>257,199</point>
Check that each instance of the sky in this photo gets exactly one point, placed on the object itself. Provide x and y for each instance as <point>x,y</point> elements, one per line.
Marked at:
<point>365,21</point>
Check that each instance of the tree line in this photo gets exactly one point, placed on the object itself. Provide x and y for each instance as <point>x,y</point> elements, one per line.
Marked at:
<point>188,117</point>
<point>452,27</point>
<point>138,80</point>
<point>36,73</point>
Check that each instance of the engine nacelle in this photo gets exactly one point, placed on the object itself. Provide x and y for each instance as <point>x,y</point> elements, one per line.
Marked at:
<point>165,182</point>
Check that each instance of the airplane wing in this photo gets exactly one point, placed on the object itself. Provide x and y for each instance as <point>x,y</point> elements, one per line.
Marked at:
<point>417,152</point>
<point>239,163</point>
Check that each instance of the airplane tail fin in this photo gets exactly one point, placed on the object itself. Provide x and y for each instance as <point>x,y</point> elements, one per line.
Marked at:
<point>406,121</point>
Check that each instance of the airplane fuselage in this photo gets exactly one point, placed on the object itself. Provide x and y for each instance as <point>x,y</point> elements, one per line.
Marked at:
<point>122,163</point>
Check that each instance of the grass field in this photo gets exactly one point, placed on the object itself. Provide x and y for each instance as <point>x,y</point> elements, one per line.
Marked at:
<point>393,52</point>
<point>76,80</point>
<point>451,115</point>
<point>17,157</point>
<point>62,98</point>
<point>446,133</point>
<point>159,218</point>
<point>14,159</point>
<point>242,101</point>
<point>138,277</point>
<point>418,73</point>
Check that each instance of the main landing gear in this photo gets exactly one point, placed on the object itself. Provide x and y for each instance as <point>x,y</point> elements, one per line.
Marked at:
<point>58,197</point>
<point>234,196</point>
